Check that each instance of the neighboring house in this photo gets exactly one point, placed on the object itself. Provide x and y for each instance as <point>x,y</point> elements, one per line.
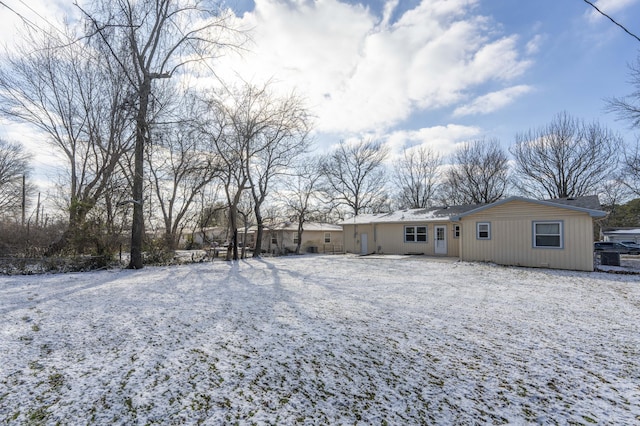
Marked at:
<point>621,234</point>
<point>514,231</point>
<point>204,237</point>
<point>282,238</point>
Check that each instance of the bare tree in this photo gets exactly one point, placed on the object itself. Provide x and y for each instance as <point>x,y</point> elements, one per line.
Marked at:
<point>152,41</point>
<point>231,150</point>
<point>179,168</point>
<point>355,175</point>
<point>416,174</point>
<point>300,194</point>
<point>257,136</point>
<point>479,173</point>
<point>628,107</point>
<point>14,166</point>
<point>276,130</point>
<point>566,158</point>
<point>631,169</point>
<point>75,97</point>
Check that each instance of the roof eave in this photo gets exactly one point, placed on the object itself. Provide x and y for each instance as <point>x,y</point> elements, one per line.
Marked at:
<point>591,212</point>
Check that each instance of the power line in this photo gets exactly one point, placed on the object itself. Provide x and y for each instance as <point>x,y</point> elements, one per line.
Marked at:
<point>36,27</point>
<point>25,19</point>
<point>612,20</point>
<point>38,14</point>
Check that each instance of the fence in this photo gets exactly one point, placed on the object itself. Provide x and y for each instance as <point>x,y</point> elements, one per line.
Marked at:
<point>333,248</point>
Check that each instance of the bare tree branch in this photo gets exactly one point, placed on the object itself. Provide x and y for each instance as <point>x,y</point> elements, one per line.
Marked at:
<point>566,158</point>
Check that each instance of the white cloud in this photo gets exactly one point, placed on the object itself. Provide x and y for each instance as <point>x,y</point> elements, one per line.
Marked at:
<point>45,160</point>
<point>389,7</point>
<point>492,101</point>
<point>442,139</point>
<point>365,73</point>
<point>609,7</point>
<point>534,45</point>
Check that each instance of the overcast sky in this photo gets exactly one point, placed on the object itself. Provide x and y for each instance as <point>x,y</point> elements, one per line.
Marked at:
<point>426,71</point>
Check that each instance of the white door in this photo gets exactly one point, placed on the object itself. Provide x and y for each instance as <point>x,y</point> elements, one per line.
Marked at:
<point>441,239</point>
<point>363,243</point>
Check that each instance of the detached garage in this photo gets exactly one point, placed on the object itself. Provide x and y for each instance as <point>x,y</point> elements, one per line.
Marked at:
<point>524,232</point>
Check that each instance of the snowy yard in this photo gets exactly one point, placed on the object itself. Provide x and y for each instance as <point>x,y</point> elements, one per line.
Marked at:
<point>321,340</point>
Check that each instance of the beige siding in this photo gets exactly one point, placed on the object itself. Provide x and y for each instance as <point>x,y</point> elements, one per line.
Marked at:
<point>312,238</point>
<point>316,239</point>
<point>352,236</point>
<point>511,240</point>
<point>453,244</point>
<point>388,238</point>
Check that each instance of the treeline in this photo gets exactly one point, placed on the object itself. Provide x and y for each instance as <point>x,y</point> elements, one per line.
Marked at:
<point>153,150</point>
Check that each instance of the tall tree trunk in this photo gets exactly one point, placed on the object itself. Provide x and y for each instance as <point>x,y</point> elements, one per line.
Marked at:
<point>232,248</point>
<point>259,232</point>
<point>137,227</point>
<point>300,231</point>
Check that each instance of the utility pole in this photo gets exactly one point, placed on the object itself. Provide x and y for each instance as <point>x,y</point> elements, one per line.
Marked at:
<point>38,211</point>
<point>24,198</point>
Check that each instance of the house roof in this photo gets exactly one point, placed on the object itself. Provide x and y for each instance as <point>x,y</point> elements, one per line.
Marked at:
<point>435,214</point>
<point>588,204</point>
<point>622,231</point>
<point>308,226</point>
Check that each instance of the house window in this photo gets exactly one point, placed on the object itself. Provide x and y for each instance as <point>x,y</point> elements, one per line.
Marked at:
<point>274,239</point>
<point>415,234</point>
<point>295,238</point>
<point>483,230</point>
<point>327,237</point>
<point>456,231</point>
<point>547,234</point>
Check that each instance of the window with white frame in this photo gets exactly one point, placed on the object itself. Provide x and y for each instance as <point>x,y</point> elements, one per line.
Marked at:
<point>415,234</point>
<point>547,234</point>
<point>483,230</point>
<point>295,238</point>
<point>456,231</point>
<point>327,237</point>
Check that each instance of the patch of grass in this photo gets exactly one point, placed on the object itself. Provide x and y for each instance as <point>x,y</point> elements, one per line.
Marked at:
<point>35,365</point>
<point>38,416</point>
<point>202,402</point>
<point>35,327</point>
<point>46,349</point>
<point>225,403</point>
<point>56,380</point>
<point>128,402</point>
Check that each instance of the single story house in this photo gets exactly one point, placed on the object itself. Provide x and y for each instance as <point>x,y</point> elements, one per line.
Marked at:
<point>204,237</point>
<point>514,231</point>
<point>428,231</point>
<point>621,234</point>
<point>282,237</point>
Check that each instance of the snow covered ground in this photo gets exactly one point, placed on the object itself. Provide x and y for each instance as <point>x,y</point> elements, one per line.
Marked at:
<point>321,340</point>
